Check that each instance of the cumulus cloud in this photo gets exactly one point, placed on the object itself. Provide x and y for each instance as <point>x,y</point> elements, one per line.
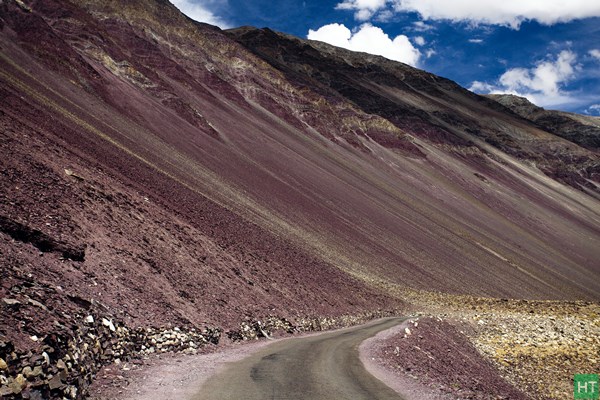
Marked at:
<point>199,11</point>
<point>595,53</point>
<point>541,84</point>
<point>368,39</point>
<point>507,12</point>
<point>545,77</point>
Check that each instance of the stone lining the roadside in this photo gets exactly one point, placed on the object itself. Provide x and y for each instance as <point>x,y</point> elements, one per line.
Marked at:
<point>65,365</point>
<point>253,329</point>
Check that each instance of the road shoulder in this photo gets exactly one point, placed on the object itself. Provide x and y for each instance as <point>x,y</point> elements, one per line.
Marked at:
<point>168,376</point>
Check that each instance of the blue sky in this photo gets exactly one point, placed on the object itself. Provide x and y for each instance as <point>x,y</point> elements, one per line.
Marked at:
<point>546,50</point>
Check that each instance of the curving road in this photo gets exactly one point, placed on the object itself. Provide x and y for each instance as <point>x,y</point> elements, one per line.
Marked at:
<point>325,366</point>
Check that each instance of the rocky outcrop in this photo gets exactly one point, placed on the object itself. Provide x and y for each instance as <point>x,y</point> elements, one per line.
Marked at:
<point>579,129</point>
<point>40,240</point>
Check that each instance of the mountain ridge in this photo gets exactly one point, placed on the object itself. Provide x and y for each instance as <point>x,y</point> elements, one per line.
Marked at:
<point>440,118</point>
<point>579,129</point>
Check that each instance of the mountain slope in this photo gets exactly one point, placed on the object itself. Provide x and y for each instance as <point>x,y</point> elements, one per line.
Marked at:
<point>152,218</point>
<point>382,191</point>
<point>420,103</point>
<point>580,129</point>
<point>160,171</point>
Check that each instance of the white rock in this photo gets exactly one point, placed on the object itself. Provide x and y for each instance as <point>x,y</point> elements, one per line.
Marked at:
<point>11,302</point>
<point>407,331</point>
<point>89,319</point>
<point>108,324</point>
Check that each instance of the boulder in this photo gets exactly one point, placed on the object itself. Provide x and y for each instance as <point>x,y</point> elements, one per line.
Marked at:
<point>55,383</point>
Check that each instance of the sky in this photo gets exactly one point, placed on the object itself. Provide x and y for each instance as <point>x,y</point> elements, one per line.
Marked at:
<point>545,50</point>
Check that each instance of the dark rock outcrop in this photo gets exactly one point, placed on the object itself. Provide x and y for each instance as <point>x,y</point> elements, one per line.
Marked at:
<point>580,129</point>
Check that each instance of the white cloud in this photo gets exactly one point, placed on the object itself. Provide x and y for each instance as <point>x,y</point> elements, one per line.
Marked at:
<point>363,9</point>
<point>476,41</point>
<point>421,26</point>
<point>420,40</point>
<point>384,16</point>
<point>334,34</point>
<point>198,11</point>
<point>594,109</point>
<point>506,12</point>
<point>545,77</point>
<point>481,87</point>
<point>595,53</point>
<point>542,84</point>
<point>368,39</point>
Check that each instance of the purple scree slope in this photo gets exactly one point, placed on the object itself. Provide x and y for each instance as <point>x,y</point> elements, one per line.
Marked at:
<point>171,173</point>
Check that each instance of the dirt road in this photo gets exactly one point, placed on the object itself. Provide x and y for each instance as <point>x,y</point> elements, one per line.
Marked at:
<point>325,366</point>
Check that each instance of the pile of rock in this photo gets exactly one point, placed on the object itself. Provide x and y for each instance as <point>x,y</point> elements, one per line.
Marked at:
<point>153,340</point>
<point>541,352</point>
<point>64,365</point>
<point>253,329</point>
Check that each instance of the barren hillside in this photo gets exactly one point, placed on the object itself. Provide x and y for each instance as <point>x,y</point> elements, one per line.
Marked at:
<point>159,172</point>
